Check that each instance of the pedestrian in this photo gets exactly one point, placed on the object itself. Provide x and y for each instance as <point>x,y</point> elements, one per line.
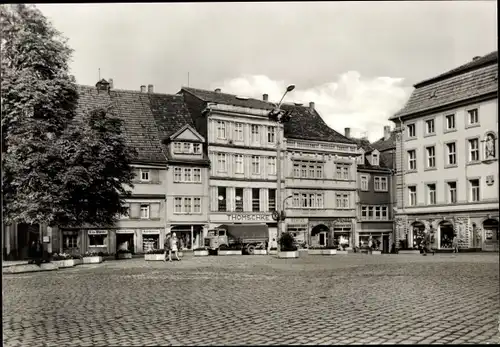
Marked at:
<point>454,243</point>
<point>173,246</point>
<point>31,252</point>
<point>168,251</point>
<point>38,252</point>
<point>370,244</point>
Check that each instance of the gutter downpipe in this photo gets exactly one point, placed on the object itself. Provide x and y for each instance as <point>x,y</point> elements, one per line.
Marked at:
<point>401,166</point>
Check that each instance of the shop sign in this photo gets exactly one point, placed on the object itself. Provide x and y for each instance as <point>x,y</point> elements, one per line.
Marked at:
<point>124,231</point>
<point>241,217</point>
<point>144,232</point>
<point>296,221</point>
<point>97,232</point>
<point>46,239</point>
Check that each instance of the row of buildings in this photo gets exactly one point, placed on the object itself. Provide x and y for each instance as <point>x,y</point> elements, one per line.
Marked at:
<point>207,158</point>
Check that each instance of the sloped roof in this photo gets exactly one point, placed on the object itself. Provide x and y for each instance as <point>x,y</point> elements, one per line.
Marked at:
<point>228,99</point>
<point>474,79</point>
<point>364,144</point>
<point>148,118</point>
<point>383,145</point>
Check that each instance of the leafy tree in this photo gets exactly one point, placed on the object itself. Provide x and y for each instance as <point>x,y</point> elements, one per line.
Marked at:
<point>56,170</point>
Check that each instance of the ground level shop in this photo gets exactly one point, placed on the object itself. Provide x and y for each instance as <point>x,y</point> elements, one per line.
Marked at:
<point>475,230</point>
<point>321,232</point>
<point>380,232</point>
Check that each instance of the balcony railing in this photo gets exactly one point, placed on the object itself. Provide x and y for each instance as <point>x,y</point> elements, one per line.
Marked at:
<point>321,146</point>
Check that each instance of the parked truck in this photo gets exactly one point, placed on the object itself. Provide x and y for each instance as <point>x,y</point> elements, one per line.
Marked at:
<point>249,236</point>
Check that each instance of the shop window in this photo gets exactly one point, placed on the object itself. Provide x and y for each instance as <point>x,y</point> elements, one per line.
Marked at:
<point>150,242</point>
<point>70,240</point>
<point>446,235</point>
<point>98,240</point>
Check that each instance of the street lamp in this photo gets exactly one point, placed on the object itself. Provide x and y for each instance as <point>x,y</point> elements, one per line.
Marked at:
<point>279,116</point>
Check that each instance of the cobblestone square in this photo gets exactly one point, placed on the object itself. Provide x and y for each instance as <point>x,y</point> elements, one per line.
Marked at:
<point>354,299</point>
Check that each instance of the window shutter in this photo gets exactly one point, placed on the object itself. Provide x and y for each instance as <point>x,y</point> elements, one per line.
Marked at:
<point>155,210</point>
<point>155,175</point>
<point>135,210</point>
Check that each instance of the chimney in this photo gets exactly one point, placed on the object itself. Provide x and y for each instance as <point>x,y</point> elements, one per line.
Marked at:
<point>347,132</point>
<point>265,97</point>
<point>475,58</point>
<point>217,90</point>
<point>387,132</point>
<point>143,89</point>
<point>150,88</point>
<point>110,81</point>
<point>311,105</point>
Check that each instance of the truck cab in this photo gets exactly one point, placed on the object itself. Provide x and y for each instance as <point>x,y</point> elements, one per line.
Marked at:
<point>216,238</point>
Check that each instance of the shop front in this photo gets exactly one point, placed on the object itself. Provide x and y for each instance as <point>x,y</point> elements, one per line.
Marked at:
<point>151,240</point>
<point>343,232</point>
<point>298,228</point>
<point>491,235</point>
<point>97,241</point>
<point>189,236</point>
<point>125,240</point>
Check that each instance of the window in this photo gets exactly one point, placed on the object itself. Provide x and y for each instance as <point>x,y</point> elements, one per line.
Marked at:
<point>452,192</point>
<point>271,165</point>
<point>473,149</point>
<point>380,184</point>
<point>196,175</point>
<point>375,159</point>
<point>271,134</point>
<point>431,156</point>
<point>239,199</point>
<point>412,159</point>
<point>238,159</point>
<point>429,126</point>
<point>451,149</point>
<point>70,240</point>
<point>312,171</point>
<point>473,116</point>
<point>374,212</point>
<point>196,148</point>
<point>431,194</point>
<point>307,200</point>
<point>177,205</point>
<point>255,199</point>
<point>255,133</point>
<point>308,169</point>
<point>127,214</point>
<point>272,200</point>
<point>255,165</point>
<point>474,189</point>
<point>177,147</point>
<point>364,183</point>
<point>221,130</point>
<point>411,130</point>
<point>342,171</point>
<point>450,122</point>
<point>296,170</point>
<point>221,198</point>
<point>412,195</point>
<point>187,205</point>
<point>342,200</point>
<point>221,162</point>
<point>98,240</point>
<point>196,205</point>
<point>238,132</point>
<point>186,147</point>
<point>319,171</point>
<point>187,175</point>
<point>177,174</point>
<point>145,211</point>
<point>145,175</point>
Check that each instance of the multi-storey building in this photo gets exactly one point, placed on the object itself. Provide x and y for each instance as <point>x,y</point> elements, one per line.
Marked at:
<point>160,128</point>
<point>374,207</point>
<point>320,174</point>
<point>447,158</point>
<point>242,144</point>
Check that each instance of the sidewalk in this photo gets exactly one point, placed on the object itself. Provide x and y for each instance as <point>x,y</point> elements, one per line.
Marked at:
<point>22,266</point>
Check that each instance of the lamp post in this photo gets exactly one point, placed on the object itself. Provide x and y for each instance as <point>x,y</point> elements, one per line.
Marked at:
<point>280,117</point>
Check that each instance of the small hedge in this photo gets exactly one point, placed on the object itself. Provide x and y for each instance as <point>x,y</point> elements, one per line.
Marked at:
<point>123,251</point>
<point>156,251</point>
<point>200,249</point>
<point>97,254</point>
<point>287,242</point>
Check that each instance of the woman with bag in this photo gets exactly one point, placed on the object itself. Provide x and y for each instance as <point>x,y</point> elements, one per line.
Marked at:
<point>173,246</point>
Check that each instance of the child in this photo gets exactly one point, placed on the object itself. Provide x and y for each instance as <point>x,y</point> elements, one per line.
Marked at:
<point>454,243</point>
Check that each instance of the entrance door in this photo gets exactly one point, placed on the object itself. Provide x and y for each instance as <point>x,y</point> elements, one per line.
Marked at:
<point>125,241</point>
<point>385,243</point>
<point>322,238</point>
<point>491,235</point>
<point>26,234</point>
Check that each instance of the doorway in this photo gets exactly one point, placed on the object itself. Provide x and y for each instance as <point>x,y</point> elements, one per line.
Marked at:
<point>385,243</point>
<point>323,238</point>
<point>125,242</point>
<point>491,235</point>
<point>26,234</point>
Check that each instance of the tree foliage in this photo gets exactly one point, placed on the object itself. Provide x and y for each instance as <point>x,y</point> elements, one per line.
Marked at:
<point>55,169</point>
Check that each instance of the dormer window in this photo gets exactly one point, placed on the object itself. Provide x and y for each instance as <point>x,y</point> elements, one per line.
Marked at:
<point>145,177</point>
<point>187,148</point>
<point>375,159</point>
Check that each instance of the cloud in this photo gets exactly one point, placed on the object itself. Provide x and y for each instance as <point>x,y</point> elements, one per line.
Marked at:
<point>362,104</point>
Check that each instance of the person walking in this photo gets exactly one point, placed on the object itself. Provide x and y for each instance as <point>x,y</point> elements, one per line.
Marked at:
<point>168,251</point>
<point>173,246</point>
<point>454,244</point>
<point>38,252</point>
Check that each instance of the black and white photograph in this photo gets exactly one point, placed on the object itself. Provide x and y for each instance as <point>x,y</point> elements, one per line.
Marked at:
<point>250,173</point>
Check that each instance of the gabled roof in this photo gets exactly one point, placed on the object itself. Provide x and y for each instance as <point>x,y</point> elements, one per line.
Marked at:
<point>384,145</point>
<point>364,144</point>
<point>228,99</point>
<point>474,79</point>
<point>148,118</point>
<point>191,129</point>
<point>306,124</point>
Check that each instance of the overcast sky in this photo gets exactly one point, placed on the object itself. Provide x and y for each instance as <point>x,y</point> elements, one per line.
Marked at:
<point>356,60</point>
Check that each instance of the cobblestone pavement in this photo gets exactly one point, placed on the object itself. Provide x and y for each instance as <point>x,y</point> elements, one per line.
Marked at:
<point>259,300</point>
